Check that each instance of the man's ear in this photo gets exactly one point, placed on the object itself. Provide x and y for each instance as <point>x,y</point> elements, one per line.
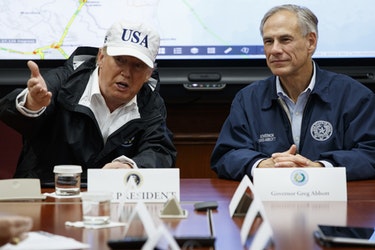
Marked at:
<point>99,56</point>
<point>148,74</point>
<point>312,41</point>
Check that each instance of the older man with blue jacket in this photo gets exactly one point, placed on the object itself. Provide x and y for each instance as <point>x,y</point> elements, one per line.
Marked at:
<point>302,116</point>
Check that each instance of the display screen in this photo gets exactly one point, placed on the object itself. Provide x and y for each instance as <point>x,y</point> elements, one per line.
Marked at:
<point>189,29</point>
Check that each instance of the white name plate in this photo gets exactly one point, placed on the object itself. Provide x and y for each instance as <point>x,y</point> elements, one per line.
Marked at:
<point>301,184</point>
<point>134,185</point>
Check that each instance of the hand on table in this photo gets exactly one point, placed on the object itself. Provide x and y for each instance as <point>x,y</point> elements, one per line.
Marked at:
<point>13,228</point>
<point>117,165</point>
<point>288,159</point>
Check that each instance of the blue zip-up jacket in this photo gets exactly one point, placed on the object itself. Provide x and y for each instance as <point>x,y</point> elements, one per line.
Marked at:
<point>338,126</point>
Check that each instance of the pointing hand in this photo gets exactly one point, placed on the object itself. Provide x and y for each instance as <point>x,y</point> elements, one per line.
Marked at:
<point>38,96</point>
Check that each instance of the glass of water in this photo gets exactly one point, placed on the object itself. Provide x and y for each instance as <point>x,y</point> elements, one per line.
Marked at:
<point>67,179</point>
<point>96,207</point>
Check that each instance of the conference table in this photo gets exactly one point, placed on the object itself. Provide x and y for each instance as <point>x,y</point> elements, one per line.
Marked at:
<point>292,223</point>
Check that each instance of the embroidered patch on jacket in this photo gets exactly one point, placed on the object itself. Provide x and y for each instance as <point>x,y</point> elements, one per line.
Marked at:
<point>128,142</point>
<point>321,130</point>
<point>267,137</point>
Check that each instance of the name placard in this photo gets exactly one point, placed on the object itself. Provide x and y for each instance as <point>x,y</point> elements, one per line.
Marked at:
<point>134,185</point>
<point>301,184</point>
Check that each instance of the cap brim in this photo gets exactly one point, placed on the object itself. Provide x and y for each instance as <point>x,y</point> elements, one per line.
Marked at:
<point>121,51</point>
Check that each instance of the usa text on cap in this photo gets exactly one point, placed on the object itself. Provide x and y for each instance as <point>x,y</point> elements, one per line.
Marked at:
<point>133,39</point>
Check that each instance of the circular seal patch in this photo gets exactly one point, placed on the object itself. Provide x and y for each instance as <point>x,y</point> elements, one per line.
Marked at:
<point>321,130</point>
<point>134,177</point>
<point>299,177</point>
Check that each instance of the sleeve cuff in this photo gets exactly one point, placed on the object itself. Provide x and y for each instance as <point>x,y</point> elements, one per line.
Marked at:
<point>326,164</point>
<point>255,165</point>
<point>20,105</point>
<point>126,160</point>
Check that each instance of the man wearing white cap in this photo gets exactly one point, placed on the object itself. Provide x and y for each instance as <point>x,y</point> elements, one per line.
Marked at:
<point>99,110</point>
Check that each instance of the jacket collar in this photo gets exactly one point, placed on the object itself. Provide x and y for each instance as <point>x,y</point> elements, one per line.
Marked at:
<point>320,89</point>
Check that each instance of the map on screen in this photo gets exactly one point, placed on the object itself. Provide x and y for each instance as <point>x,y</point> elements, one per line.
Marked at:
<point>189,29</point>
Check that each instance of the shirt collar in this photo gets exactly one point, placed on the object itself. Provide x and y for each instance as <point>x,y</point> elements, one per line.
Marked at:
<point>280,91</point>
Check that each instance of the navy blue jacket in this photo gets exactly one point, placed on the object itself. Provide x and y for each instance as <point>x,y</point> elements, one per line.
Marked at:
<point>338,126</point>
<point>68,133</point>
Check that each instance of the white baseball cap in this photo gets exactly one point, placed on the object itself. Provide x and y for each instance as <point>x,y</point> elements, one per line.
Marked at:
<point>126,38</point>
